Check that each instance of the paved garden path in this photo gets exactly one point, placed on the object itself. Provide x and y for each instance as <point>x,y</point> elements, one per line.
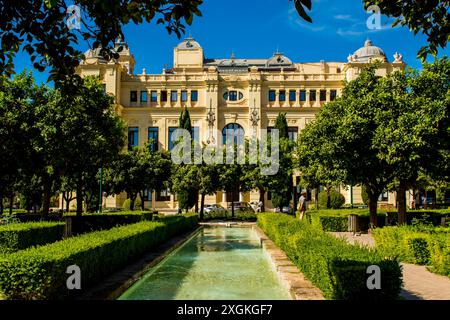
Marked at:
<point>418,282</point>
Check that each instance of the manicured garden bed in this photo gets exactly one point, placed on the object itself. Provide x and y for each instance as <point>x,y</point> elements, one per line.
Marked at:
<point>40,273</point>
<point>238,216</point>
<point>104,221</point>
<point>19,236</point>
<point>336,267</point>
<point>417,244</point>
<point>337,220</point>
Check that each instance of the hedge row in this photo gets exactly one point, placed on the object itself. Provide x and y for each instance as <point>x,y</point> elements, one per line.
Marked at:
<point>336,267</point>
<point>105,221</point>
<point>432,217</point>
<point>337,220</point>
<point>238,216</point>
<point>418,245</point>
<point>40,273</point>
<point>19,236</point>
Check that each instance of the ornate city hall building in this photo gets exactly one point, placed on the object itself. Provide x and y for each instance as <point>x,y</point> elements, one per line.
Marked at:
<point>241,94</point>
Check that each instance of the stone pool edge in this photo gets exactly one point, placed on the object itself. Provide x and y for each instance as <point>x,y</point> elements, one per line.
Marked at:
<point>299,287</point>
<point>116,284</point>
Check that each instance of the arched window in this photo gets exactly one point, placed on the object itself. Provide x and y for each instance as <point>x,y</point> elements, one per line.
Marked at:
<point>233,132</point>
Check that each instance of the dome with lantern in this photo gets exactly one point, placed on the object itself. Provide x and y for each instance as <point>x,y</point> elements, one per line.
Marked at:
<point>368,53</point>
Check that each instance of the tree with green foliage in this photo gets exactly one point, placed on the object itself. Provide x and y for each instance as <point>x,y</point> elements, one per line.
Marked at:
<point>412,137</point>
<point>16,96</point>
<point>94,133</point>
<point>345,130</point>
<point>185,182</point>
<point>25,25</point>
<point>281,184</point>
<point>233,177</point>
<point>312,158</point>
<point>136,171</point>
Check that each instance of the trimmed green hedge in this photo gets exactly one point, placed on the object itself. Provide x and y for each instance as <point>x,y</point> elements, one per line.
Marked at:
<point>103,221</point>
<point>337,220</point>
<point>432,217</point>
<point>333,265</point>
<point>238,216</point>
<point>337,200</point>
<point>19,236</point>
<point>40,273</point>
<point>419,245</point>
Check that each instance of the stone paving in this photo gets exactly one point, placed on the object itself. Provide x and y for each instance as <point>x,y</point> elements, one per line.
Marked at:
<point>418,282</point>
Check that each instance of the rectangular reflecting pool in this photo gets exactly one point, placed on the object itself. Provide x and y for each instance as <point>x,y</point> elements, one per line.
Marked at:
<point>218,263</point>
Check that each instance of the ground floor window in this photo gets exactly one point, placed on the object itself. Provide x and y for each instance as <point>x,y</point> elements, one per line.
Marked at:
<point>163,195</point>
<point>133,137</point>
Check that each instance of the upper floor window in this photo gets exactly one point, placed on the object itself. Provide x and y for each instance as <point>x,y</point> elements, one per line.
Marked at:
<point>173,96</point>
<point>183,96</point>
<point>171,142</point>
<point>323,95</point>
<point>144,96</point>
<point>133,96</point>
<point>292,95</point>
<point>333,95</point>
<point>234,133</point>
<point>282,95</point>
<point>194,95</point>
<point>312,95</point>
<point>302,95</point>
<point>233,95</point>
<point>153,138</point>
<point>154,96</point>
<point>163,96</point>
<point>133,137</point>
<point>272,95</point>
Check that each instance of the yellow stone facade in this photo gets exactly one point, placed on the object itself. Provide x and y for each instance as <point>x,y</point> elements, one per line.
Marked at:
<point>218,92</point>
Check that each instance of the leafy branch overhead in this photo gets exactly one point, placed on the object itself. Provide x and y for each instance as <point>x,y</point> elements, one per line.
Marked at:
<point>40,29</point>
<point>300,6</point>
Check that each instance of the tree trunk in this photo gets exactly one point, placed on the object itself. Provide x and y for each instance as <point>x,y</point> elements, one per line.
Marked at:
<point>141,194</point>
<point>196,203</point>
<point>47,196</point>
<point>262,194</point>
<point>1,204</point>
<point>232,207</point>
<point>401,198</point>
<point>79,192</point>
<point>328,198</point>
<point>132,200</point>
<point>63,198</point>
<point>373,202</point>
<point>202,206</point>
<point>11,203</point>
<point>316,198</point>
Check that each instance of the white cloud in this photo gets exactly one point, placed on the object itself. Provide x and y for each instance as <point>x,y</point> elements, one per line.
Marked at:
<point>343,17</point>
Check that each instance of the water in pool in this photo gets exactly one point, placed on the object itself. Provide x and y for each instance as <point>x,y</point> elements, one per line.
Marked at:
<point>216,264</point>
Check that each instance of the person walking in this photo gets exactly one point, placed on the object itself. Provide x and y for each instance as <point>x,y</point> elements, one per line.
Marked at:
<point>302,205</point>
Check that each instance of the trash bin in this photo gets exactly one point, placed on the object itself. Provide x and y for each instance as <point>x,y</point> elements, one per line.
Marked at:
<point>353,225</point>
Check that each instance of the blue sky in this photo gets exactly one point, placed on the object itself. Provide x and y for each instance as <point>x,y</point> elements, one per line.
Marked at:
<point>257,28</point>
